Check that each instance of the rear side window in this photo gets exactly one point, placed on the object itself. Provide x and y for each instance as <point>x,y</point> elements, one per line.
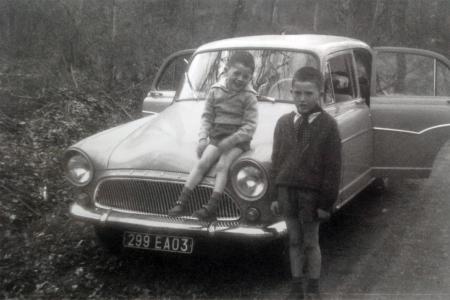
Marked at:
<point>442,80</point>
<point>404,74</point>
<point>340,81</point>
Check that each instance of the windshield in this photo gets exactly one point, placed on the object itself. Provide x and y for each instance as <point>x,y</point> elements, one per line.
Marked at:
<point>272,77</point>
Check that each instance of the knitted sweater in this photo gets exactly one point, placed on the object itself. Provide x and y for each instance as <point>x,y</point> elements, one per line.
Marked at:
<point>224,106</point>
<point>316,165</point>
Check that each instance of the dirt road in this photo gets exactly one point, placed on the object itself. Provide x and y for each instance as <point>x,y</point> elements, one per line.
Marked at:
<point>396,246</point>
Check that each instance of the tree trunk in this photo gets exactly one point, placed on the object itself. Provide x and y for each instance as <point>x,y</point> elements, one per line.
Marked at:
<point>379,8</point>
<point>316,15</point>
<point>237,12</point>
<point>274,18</point>
<point>193,18</point>
<point>397,21</point>
<point>344,15</point>
<point>111,51</point>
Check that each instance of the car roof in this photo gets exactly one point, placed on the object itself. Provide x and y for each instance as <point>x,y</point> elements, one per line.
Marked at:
<point>316,43</point>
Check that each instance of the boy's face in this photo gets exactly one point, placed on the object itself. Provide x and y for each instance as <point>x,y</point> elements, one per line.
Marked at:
<point>238,76</point>
<point>306,96</point>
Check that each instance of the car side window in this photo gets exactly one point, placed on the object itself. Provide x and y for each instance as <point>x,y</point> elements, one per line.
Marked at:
<point>173,73</point>
<point>404,74</point>
<point>363,61</point>
<point>442,80</point>
<point>340,80</point>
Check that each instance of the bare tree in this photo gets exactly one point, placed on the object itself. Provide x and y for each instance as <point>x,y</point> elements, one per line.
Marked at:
<point>237,12</point>
<point>316,15</point>
<point>397,20</point>
<point>111,67</point>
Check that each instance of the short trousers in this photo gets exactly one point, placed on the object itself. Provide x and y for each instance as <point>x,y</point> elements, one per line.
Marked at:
<point>298,203</point>
<point>221,131</point>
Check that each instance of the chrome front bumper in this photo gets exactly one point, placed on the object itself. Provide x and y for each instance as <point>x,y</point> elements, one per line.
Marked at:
<point>176,225</point>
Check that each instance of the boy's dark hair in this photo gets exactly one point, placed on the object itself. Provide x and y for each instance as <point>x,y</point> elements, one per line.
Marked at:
<point>309,74</point>
<point>244,58</point>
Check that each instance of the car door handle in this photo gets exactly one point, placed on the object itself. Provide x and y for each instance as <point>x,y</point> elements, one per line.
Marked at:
<point>448,101</point>
<point>155,94</point>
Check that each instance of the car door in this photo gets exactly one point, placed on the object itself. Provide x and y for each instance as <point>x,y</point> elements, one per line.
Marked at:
<point>166,82</point>
<point>343,100</point>
<point>410,106</point>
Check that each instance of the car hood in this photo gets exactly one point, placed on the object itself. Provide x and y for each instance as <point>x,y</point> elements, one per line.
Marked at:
<point>168,141</point>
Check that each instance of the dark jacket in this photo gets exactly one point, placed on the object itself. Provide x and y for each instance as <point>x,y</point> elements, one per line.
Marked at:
<point>316,165</point>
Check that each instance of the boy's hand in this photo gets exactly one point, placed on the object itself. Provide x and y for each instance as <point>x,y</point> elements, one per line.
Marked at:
<point>275,208</point>
<point>323,215</point>
<point>202,144</point>
<point>224,145</point>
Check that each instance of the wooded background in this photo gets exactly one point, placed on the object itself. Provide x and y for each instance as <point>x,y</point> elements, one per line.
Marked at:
<point>118,44</point>
<point>70,68</point>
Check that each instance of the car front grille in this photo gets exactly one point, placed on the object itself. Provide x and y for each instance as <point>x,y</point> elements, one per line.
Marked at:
<point>157,197</point>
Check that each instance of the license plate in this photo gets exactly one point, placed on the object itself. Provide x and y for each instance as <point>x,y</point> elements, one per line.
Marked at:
<point>158,242</point>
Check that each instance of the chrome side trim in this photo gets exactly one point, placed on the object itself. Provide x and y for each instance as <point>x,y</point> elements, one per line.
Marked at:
<point>355,135</point>
<point>411,131</point>
<point>148,112</point>
<point>434,76</point>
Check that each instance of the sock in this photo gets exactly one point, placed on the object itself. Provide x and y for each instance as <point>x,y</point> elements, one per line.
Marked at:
<point>213,202</point>
<point>297,285</point>
<point>185,195</point>
<point>313,286</point>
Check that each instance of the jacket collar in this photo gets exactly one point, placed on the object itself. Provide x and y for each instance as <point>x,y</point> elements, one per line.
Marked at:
<point>316,111</point>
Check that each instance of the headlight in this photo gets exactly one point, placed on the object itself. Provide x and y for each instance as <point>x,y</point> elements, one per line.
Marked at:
<point>78,168</point>
<point>249,180</point>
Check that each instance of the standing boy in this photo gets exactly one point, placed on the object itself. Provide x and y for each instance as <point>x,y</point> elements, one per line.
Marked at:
<point>306,162</point>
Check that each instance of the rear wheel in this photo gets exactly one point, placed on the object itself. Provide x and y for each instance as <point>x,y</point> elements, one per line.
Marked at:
<point>109,238</point>
<point>379,186</point>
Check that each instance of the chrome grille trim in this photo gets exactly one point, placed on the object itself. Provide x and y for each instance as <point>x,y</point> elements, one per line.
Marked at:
<point>131,195</point>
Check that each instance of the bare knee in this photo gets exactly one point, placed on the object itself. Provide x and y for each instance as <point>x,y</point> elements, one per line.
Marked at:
<point>203,166</point>
<point>311,244</point>
<point>295,242</point>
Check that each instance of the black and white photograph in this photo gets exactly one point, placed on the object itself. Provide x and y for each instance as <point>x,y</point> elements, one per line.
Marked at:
<point>225,149</point>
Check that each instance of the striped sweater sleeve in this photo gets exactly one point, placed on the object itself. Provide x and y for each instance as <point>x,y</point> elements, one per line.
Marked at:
<point>208,115</point>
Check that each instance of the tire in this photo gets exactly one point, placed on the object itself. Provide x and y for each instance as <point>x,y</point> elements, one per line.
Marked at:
<point>379,186</point>
<point>277,252</point>
<point>109,238</point>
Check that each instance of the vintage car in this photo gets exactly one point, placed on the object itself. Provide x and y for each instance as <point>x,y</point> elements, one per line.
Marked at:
<point>392,106</point>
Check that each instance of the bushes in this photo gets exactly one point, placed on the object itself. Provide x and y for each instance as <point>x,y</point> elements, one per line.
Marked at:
<point>31,177</point>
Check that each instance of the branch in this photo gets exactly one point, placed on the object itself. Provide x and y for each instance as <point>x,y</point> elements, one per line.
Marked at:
<point>119,106</point>
<point>15,191</point>
<point>25,97</point>
<point>73,77</point>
